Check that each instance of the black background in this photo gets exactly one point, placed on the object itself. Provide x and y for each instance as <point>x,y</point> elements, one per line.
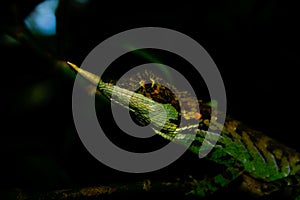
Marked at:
<point>255,45</point>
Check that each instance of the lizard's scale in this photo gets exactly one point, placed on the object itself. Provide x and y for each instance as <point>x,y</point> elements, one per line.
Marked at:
<point>247,153</point>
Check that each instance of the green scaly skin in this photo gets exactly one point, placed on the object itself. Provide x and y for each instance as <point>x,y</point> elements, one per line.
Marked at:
<point>265,165</point>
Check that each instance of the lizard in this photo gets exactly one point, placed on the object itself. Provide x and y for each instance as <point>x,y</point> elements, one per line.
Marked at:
<point>265,165</point>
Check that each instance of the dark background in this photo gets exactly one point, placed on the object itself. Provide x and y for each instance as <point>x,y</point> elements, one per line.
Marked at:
<point>254,43</point>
